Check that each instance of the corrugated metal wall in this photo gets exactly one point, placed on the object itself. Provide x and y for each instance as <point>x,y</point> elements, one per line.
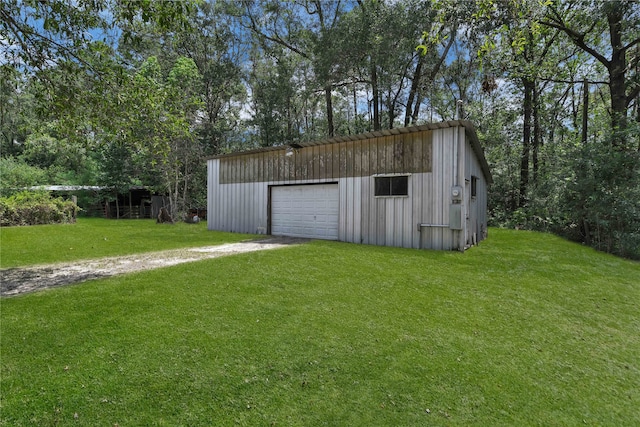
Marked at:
<point>478,205</point>
<point>238,187</point>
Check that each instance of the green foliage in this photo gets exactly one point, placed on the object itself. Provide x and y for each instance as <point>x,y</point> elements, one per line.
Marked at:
<point>588,193</point>
<point>172,147</point>
<point>166,16</point>
<point>274,96</point>
<point>526,329</point>
<point>16,175</point>
<point>34,208</point>
<point>47,160</point>
<point>38,33</point>
<point>190,79</point>
<point>603,198</point>
<point>16,110</point>
<point>45,151</point>
<point>117,167</point>
<point>571,167</point>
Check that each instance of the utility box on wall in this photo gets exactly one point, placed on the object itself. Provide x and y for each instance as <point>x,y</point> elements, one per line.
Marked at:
<point>455,216</point>
<point>456,193</point>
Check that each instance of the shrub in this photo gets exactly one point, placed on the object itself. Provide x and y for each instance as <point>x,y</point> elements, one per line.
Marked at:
<point>603,199</point>
<point>33,208</point>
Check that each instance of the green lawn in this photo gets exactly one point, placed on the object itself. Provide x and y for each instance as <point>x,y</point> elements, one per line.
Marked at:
<point>97,237</point>
<point>526,329</point>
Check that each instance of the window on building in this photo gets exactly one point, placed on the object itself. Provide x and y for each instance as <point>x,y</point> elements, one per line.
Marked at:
<point>474,186</point>
<point>392,185</point>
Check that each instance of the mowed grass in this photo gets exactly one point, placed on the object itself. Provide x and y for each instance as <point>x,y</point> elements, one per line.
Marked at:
<point>526,329</point>
<point>98,237</point>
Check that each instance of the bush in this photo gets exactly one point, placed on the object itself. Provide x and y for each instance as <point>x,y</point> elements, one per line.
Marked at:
<point>603,199</point>
<point>593,198</point>
<point>33,208</point>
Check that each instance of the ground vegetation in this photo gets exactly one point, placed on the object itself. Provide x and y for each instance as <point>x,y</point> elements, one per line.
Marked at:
<point>120,93</point>
<point>525,329</point>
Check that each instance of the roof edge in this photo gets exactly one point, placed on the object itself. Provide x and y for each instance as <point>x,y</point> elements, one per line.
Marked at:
<point>358,137</point>
<point>470,130</point>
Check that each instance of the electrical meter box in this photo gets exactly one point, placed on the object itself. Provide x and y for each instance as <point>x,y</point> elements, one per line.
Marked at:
<point>456,193</point>
<point>455,216</point>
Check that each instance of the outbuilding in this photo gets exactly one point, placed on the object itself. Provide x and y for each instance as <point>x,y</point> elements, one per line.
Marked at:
<point>415,187</point>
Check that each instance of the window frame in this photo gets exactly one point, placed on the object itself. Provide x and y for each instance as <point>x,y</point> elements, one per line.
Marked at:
<point>474,186</point>
<point>391,177</point>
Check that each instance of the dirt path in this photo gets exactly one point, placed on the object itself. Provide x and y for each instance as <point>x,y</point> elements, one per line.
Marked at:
<point>16,281</point>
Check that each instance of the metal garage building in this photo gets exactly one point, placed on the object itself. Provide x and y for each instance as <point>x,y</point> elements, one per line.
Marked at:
<point>415,187</point>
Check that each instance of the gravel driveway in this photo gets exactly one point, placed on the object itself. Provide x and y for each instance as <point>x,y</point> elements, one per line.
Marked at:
<point>16,281</point>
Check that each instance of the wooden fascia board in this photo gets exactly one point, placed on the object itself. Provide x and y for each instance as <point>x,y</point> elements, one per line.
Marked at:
<point>469,130</point>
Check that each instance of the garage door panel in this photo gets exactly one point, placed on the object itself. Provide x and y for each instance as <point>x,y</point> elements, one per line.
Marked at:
<point>305,211</point>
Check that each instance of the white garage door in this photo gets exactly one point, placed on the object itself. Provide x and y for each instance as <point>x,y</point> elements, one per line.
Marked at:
<point>305,211</point>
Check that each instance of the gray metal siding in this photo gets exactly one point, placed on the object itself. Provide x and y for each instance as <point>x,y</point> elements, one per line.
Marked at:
<point>435,160</point>
<point>235,207</point>
<point>479,214</point>
<point>436,200</point>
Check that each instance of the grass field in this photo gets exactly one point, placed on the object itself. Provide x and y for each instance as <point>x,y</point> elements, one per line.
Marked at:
<point>97,237</point>
<point>526,329</point>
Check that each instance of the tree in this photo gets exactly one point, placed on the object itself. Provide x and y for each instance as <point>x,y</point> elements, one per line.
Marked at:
<point>217,51</point>
<point>36,34</point>
<point>442,27</point>
<point>305,28</point>
<point>68,47</point>
<point>16,110</point>
<point>117,170</point>
<point>395,67</point>
<point>585,23</point>
<point>274,98</point>
<point>66,162</point>
<point>515,45</point>
<point>185,153</point>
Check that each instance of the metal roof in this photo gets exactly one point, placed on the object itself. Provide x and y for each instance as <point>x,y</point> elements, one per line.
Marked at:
<point>79,187</point>
<point>66,187</point>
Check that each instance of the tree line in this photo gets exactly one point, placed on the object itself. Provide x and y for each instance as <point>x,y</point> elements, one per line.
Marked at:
<point>119,92</point>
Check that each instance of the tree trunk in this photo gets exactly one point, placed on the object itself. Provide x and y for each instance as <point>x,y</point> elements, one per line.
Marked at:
<point>174,202</point>
<point>416,109</point>
<point>585,110</point>
<point>415,84</point>
<point>289,119</point>
<point>432,75</point>
<point>393,101</point>
<point>616,66</point>
<point>537,134</point>
<point>355,110</point>
<point>529,87</point>
<point>185,183</point>
<point>392,112</point>
<point>327,97</point>
<point>638,117</point>
<point>376,97</point>
<point>617,69</point>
